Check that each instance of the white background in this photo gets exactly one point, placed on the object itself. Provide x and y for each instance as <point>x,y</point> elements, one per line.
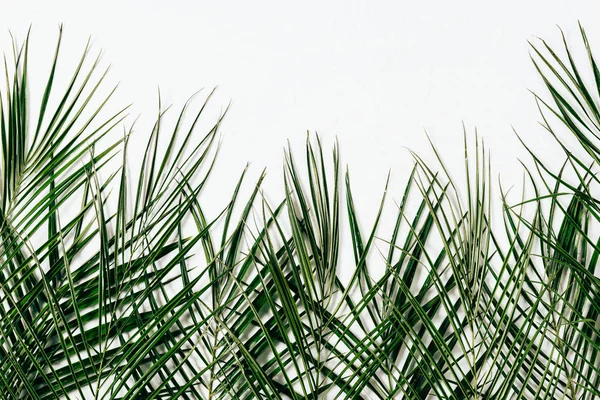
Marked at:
<point>376,75</point>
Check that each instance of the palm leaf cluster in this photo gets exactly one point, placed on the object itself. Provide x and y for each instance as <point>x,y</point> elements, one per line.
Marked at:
<point>121,286</point>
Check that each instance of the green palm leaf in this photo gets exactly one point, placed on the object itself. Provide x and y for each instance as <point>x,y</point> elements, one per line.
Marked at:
<point>121,286</point>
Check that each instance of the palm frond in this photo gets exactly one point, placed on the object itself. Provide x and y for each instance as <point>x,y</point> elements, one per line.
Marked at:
<point>122,286</point>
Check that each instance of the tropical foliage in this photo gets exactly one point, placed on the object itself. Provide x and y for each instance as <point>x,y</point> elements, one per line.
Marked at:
<point>120,286</point>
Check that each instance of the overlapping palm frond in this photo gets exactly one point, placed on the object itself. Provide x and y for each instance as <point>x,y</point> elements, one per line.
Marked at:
<point>120,286</point>
<point>567,225</point>
<point>434,323</point>
<point>98,303</point>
